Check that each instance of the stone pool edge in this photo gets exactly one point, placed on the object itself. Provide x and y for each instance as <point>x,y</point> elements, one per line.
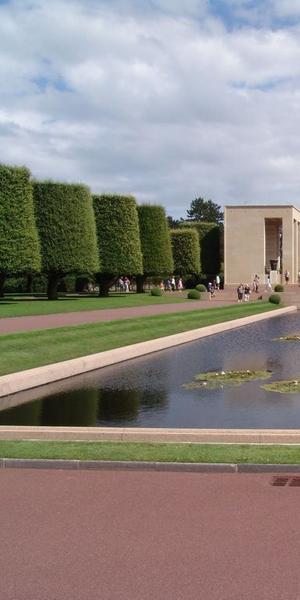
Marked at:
<point>150,435</point>
<point>31,378</point>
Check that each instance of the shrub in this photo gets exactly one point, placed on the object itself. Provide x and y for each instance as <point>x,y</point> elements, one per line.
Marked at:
<point>19,249</point>
<point>201,288</point>
<point>66,225</point>
<point>186,254</point>
<point>275,299</point>
<point>118,239</point>
<point>278,288</point>
<point>194,295</point>
<point>155,243</point>
<point>210,241</point>
<point>156,292</point>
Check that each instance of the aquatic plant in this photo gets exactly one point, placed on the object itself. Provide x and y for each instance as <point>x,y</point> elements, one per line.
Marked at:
<point>217,379</point>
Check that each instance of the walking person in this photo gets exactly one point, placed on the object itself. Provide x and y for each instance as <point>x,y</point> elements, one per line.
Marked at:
<point>255,284</point>
<point>287,276</point>
<point>218,281</point>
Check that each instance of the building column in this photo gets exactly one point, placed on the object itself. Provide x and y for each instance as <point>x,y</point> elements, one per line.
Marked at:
<point>296,245</point>
<point>288,247</point>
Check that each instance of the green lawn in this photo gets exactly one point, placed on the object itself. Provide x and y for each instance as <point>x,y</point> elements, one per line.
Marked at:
<point>193,453</point>
<point>21,351</point>
<point>14,306</point>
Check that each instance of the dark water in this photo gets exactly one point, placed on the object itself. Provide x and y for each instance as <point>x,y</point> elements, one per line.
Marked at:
<point>148,391</point>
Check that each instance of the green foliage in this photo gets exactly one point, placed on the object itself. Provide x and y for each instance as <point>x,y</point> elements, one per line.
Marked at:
<point>205,210</point>
<point>156,292</point>
<point>275,299</point>
<point>185,245</point>
<point>19,244</point>
<point>155,240</point>
<point>118,234</point>
<point>201,288</point>
<point>210,239</point>
<point>278,288</point>
<point>194,295</point>
<point>66,225</point>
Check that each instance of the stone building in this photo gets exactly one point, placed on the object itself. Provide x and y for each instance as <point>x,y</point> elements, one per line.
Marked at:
<point>262,240</point>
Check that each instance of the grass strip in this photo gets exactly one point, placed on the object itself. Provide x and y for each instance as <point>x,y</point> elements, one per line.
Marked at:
<point>12,306</point>
<point>169,452</point>
<point>20,351</point>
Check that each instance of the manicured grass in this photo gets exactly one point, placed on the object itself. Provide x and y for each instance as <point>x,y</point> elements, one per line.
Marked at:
<point>17,306</point>
<point>21,351</point>
<point>193,453</point>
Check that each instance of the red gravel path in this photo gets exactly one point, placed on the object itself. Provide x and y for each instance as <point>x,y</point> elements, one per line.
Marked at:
<point>147,536</point>
<point>14,324</point>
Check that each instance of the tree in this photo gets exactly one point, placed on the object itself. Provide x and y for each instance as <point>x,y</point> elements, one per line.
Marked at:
<point>155,243</point>
<point>66,225</point>
<point>173,223</point>
<point>210,235</point>
<point>19,243</point>
<point>118,239</point>
<point>205,210</point>
<point>186,254</point>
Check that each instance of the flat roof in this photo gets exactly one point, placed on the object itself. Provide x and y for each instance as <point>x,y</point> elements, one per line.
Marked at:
<point>261,206</point>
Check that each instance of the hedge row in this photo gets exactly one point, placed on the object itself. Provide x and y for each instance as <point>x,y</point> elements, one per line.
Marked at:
<point>60,229</point>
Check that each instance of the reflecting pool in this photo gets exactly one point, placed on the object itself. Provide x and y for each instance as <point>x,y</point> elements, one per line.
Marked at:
<point>148,392</point>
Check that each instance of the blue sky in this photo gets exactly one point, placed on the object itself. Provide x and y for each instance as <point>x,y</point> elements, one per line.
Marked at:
<point>158,98</point>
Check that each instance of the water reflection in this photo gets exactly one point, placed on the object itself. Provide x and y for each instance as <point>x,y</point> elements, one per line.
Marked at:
<point>148,391</point>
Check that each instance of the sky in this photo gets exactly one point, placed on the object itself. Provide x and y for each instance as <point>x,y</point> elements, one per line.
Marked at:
<point>167,100</point>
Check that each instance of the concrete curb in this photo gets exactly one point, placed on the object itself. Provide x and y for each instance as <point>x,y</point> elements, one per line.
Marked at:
<point>31,378</point>
<point>151,435</point>
<point>99,465</point>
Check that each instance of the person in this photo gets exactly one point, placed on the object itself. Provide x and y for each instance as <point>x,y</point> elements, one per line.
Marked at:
<point>211,291</point>
<point>121,284</point>
<point>173,284</point>
<point>180,284</point>
<point>161,285</point>
<point>126,284</point>
<point>240,292</point>
<point>168,285</point>
<point>268,284</point>
<point>218,281</point>
<point>287,276</point>
<point>247,292</point>
<point>255,283</point>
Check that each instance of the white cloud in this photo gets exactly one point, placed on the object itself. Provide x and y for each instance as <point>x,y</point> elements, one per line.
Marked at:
<point>164,103</point>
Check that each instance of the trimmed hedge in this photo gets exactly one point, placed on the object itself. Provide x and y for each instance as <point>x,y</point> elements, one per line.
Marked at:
<point>186,255</point>
<point>155,240</point>
<point>155,243</point>
<point>19,248</point>
<point>210,240</point>
<point>275,299</point>
<point>66,224</point>
<point>156,292</point>
<point>194,295</point>
<point>200,287</point>
<point>118,238</point>
<point>278,288</point>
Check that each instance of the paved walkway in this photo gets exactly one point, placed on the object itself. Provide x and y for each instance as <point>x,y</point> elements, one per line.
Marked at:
<point>147,536</point>
<point>18,324</point>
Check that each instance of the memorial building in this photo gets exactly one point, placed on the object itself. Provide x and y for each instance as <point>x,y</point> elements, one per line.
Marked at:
<point>261,240</point>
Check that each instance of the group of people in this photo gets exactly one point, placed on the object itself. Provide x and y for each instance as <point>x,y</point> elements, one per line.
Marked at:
<point>124,284</point>
<point>171,284</point>
<point>244,290</point>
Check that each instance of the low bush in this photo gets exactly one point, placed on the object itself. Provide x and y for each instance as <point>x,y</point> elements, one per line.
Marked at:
<point>156,292</point>
<point>194,295</point>
<point>275,299</point>
<point>201,288</point>
<point>278,288</point>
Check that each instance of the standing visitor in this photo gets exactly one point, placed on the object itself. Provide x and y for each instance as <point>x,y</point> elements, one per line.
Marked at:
<point>218,281</point>
<point>287,276</point>
<point>255,283</point>
<point>240,292</point>
<point>173,283</point>
<point>268,284</point>
<point>247,292</point>
<point>180,284</point>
